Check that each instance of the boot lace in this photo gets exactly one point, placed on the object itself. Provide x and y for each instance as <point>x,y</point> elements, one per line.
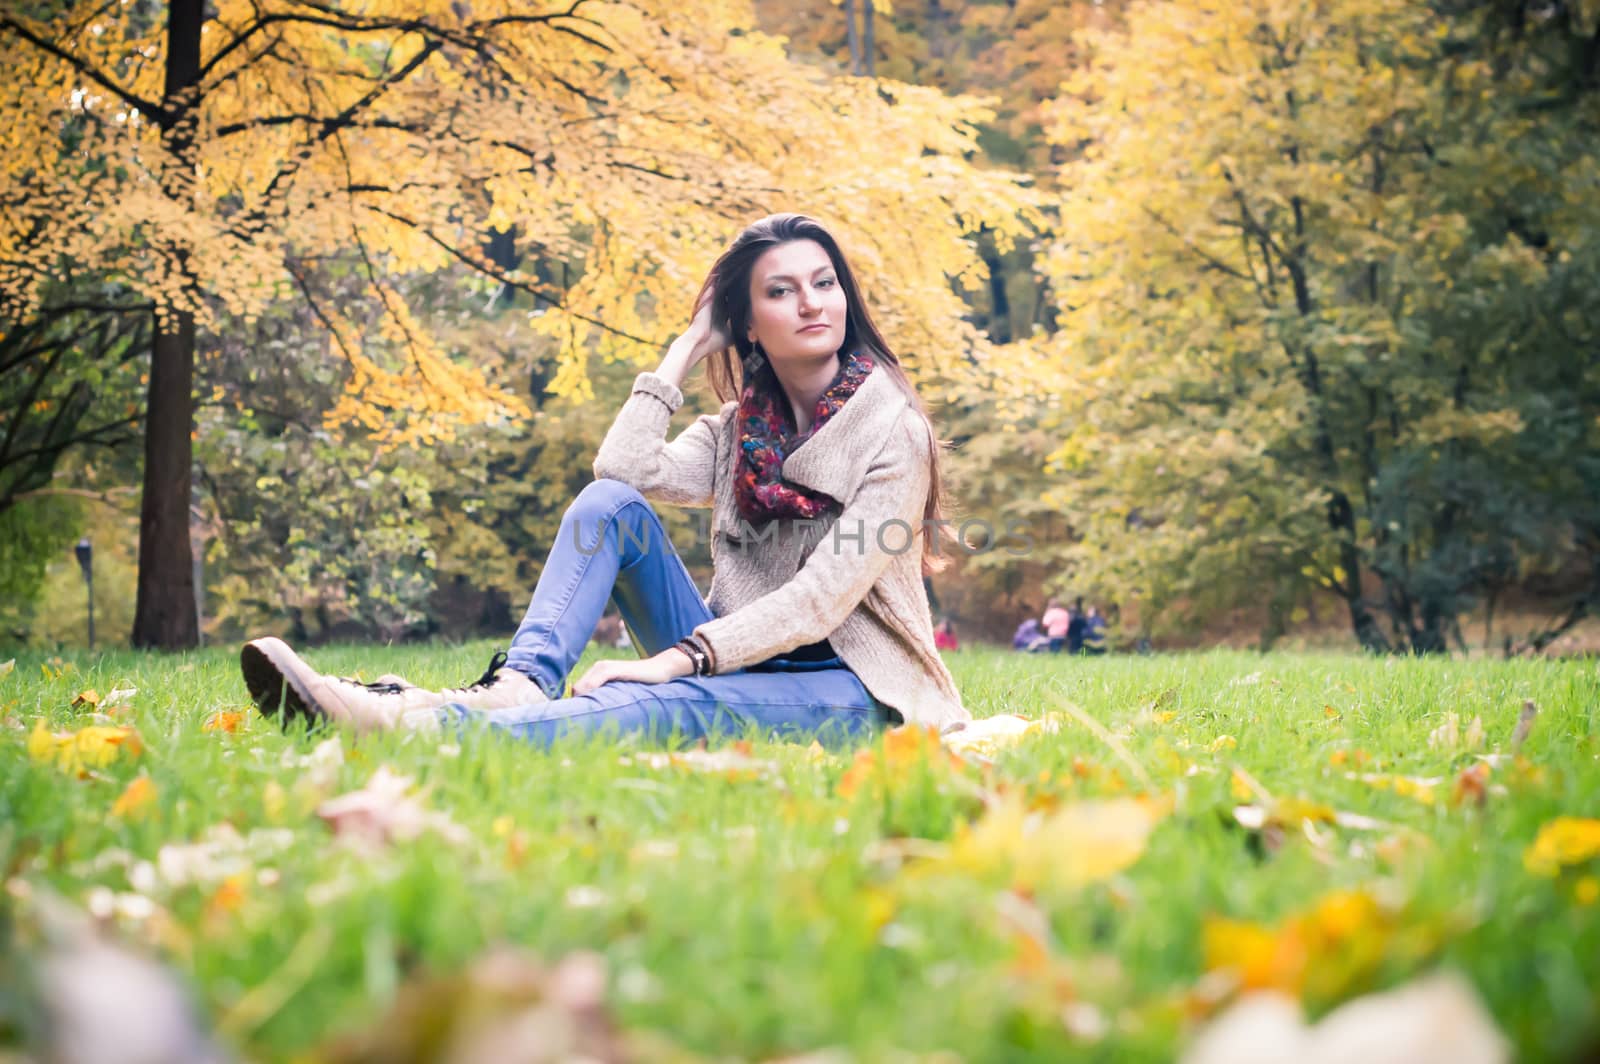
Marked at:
<point>375,688</point>
<point>487,678</point>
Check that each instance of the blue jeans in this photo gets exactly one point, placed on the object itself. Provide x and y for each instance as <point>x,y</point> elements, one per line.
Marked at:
<point>612,547</point>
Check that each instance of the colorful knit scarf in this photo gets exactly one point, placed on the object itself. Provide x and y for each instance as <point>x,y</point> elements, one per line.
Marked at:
<point>764,440</point>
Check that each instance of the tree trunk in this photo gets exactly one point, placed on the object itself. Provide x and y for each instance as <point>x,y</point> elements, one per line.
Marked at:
<point>1433,636</point>
<point>164,615</point>
<point>851,36</point>
<point>164,611</point>
<point>999,302</point>
<point>868,48</point>
<point>1368,634</point>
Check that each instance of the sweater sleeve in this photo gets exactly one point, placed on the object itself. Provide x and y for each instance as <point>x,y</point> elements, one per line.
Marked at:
<point>636,452</point>
<point>882,521</point>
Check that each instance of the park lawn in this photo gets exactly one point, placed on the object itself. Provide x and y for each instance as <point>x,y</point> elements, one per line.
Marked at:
<point>782,900</point>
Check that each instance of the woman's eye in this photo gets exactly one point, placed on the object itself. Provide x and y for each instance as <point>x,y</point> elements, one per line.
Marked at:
<point>776,292</point>
<point>825,282</point>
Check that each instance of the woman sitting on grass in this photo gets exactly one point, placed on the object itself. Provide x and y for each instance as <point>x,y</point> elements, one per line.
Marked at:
<point>823,482</point>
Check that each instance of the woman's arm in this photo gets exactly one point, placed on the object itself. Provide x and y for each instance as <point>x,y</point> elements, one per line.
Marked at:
<point>882,521</point>
<point>635,450</point>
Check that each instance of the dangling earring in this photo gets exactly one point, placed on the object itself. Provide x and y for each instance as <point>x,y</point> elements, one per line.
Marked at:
<point>752,363</point>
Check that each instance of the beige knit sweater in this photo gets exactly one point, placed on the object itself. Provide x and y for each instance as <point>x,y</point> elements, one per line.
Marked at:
<point>854,578</point>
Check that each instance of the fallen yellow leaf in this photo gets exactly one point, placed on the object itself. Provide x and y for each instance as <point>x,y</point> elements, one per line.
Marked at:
<point>892,761</point>
<point>223,721</point>
<point>1420,788</point>
<point>274,799</point>
<point>41,744</point>
<point>986,736</point>
<point>1261,957</point>
<point>1562,842</point>
<point>89,697</point>
<point>1075,844</point>
<point>135,800</point>
<point>76,752</point>
<point>1343,936</point>
<point>227,899</point>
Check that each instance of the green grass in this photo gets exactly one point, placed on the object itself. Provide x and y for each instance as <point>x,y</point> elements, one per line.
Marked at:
<point>751,918</point>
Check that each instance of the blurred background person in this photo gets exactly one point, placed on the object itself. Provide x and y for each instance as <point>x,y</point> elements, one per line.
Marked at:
<point>1055,621</point>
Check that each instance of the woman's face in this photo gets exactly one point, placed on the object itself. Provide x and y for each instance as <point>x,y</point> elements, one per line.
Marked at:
<point>797,309</point>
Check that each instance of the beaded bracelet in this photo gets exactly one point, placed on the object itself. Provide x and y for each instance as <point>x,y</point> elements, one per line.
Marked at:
<point>697,654</point>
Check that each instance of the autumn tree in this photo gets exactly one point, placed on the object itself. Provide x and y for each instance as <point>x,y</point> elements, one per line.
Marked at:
<point>616,144</point>
<point>66,382</point>
<point>1328,306</point>
<point>321,534</point>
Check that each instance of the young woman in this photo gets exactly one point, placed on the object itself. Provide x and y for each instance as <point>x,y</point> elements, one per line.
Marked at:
<point>822,474</point>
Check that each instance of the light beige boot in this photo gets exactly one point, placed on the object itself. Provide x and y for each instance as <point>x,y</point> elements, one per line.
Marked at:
<point>280,681</point>
<point>498,688</point>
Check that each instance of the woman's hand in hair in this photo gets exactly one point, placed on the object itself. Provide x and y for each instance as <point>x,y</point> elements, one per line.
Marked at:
<point>670,664</point>
<point>702,338</point>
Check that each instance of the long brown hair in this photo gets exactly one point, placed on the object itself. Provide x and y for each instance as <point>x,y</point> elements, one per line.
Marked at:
<point>728,287</point>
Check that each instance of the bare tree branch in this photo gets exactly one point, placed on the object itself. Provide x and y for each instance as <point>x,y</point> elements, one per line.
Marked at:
<point>506,279</point>
<point>154,112</point>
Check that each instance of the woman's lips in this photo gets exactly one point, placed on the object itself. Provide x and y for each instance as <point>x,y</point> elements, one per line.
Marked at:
<point>814,328</point>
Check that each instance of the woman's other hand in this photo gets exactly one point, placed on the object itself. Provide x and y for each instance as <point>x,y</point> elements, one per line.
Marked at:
<point>670,664</point>
<point>703,337</point>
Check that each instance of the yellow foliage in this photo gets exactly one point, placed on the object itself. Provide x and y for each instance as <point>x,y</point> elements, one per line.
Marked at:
<point>624,146</point>
<point>1263,215</point>
<point>75,753</point>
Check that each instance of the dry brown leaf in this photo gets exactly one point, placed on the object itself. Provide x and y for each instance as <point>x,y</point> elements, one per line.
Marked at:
<point>1472,785</point>
<point>1524,725</point>
<point>731,762</point>
<point>1449,735</point>
<point>386,811</point>
<point>221,852</point>
<point>1435,1020</point>
<point>321,765</point>
<point>506,1006</point>
<point>105,1003</point>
